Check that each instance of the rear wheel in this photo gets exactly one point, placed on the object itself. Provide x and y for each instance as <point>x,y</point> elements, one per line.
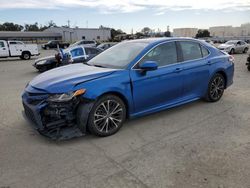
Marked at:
<point>107,116</point>
<point>216,88</point>
<point>248,67</point>
<point>26,55</point>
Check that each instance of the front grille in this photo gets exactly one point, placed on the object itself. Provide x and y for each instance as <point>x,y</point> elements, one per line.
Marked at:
<point>29,113</point>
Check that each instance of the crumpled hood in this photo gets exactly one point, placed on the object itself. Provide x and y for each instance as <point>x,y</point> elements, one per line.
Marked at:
<point>225,45</point>
<point>63,79</point>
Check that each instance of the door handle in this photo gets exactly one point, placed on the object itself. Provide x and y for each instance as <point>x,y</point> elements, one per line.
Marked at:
<point>4,48</point>
<point>177,70</point>
<point>209,63</point>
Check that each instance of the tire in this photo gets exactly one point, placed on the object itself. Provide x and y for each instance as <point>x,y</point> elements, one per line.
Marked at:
<point>245,50</point>
<point>248,68</point>
<point>216,88</point>
<point>107,116</point>
<point>26,55</point>
<point>64,47</point>
<point>232,51</point>
<point>47,48</point>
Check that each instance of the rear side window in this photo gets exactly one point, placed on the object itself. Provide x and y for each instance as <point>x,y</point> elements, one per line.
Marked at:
<point>204,51</point>
<point>1,44</point>
<point>164,54</point>
<point>77,52</point>
<point>190,50</point>
<point>91,51</point>
<point>13,43</point>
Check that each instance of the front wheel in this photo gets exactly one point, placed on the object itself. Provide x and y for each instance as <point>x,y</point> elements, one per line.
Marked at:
<point>216,88</point>
<point>245,50</point>
<point>107,116</point>
<point>248,68</point>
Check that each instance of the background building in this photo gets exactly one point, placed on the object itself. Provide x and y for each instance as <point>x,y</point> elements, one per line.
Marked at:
<point>185,32</point>
<point>33,37</point>
<point>75,34</point>
<point>58,33</point>
<point>229,32</point>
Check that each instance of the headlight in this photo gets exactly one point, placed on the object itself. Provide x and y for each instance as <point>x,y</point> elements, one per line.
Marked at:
<point>40,62</point>
<point>65,97</point>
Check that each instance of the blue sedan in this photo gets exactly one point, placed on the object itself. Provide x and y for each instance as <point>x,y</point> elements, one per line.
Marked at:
<point>131,79</point>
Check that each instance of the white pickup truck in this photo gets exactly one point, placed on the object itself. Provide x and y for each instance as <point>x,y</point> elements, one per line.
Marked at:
<point>17,49</point>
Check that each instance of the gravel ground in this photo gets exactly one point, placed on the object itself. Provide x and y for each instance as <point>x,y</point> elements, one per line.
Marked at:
<point>196,145</point>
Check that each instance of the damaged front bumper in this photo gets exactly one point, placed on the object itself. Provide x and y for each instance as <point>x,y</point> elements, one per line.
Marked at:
<point>56,120</point>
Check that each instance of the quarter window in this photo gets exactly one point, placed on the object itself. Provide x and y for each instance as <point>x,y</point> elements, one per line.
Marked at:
<point>164,54</point>
<point>204,51</point>
<point>190,50</point>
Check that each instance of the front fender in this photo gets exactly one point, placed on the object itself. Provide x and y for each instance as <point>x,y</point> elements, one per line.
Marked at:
<point>117,83</point>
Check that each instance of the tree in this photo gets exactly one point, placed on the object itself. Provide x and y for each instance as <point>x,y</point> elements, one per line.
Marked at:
<point>9,26</point>
<point>202,33</point>
<point>146,30</point>
<point>32,27</point>
<point>115,33</point>
<point>167,34</point>
<point>51,23</point>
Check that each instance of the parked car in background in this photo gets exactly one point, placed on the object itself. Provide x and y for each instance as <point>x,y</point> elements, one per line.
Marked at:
<point>248,63</point>
<point>234,46</point>
<point>78,54</point>
<point>87,43</point>
<point>106,45</point>
<point>133,78</point>
<point>17,49</point>
<point>55,44</point>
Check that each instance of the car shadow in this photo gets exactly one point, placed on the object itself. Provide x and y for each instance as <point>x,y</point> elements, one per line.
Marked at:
<point>140,121</point>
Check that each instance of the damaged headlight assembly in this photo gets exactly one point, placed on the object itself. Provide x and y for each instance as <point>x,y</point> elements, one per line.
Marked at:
<point>65,97</point>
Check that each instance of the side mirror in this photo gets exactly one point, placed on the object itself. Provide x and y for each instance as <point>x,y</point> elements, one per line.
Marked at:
<point>149,66</point>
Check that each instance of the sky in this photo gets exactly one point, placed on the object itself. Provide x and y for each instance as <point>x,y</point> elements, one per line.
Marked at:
<point>127,15</point>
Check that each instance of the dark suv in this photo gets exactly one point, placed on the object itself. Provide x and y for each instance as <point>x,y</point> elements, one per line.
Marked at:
<point>54,44</point>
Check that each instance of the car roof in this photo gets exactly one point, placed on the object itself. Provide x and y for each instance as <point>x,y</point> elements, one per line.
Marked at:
<point>154,41</point>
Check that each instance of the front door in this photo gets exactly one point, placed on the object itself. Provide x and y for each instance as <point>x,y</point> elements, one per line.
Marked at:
<point>161,87</point>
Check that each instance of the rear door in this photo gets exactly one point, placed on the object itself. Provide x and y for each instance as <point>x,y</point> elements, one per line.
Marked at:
<point>3,49</point>
<point>161,87</point>
<point>195,68</point>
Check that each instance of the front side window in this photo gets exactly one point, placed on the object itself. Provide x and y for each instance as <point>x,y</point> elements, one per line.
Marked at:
<point>13,43</point>
<point>190,50</point>
<point>1,44</point>
<point>77,52</point>
<point>164,54</point>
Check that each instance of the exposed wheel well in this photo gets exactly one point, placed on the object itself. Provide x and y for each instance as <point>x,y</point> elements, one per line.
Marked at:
<point>121,97</point>
<point>26,52</point>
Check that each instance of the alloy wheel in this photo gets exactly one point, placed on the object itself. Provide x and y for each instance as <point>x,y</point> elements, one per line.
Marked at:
<point>108,116</point>
<point>217,88</point>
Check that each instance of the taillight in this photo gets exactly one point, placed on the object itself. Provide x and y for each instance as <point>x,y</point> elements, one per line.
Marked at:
<point>231,59</point>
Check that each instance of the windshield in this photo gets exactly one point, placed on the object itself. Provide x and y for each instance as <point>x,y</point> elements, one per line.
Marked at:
<point>119,56</point>
<point>231,42</point>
